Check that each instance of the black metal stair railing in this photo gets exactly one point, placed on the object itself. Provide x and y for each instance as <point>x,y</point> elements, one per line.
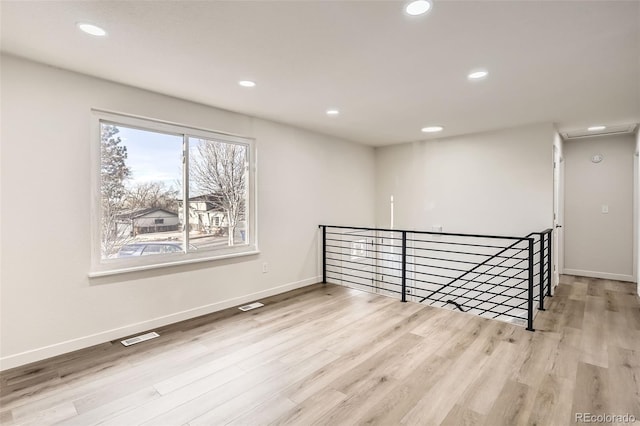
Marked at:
<point>499,277</point>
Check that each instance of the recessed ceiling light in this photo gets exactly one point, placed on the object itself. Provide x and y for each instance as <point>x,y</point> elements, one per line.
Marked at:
<point>418,7</point>
<point>247,83</point>
<point>596,128</point>
<point>432,129</point>
<point>91,29</point>
<point>477,75</point>
<point>333,112</point>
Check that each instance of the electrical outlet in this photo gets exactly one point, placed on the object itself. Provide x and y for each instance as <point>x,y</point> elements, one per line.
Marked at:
<point>265,267</point>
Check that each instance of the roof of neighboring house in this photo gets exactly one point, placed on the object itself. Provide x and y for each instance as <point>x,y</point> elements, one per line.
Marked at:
<point>212,201</point>
<point>134,214</point>
<point>207,197</point>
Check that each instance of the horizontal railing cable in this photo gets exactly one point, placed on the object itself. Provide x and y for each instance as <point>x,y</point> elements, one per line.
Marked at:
<point>479,265</point>
<point>498,255</point>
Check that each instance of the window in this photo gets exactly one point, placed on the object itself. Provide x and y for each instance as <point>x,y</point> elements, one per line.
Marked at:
<point>169,194</point>
<point>358,249</point>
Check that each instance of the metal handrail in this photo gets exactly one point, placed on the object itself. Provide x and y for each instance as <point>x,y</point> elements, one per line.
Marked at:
<point>359,228</point>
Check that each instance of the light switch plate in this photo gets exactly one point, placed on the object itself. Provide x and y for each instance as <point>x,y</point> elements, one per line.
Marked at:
<point>605,208</point>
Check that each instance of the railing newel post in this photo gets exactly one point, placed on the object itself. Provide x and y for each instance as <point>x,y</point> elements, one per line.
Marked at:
<point>550,277</point>
<point>324,254</point>
<point>404,266</point>
<point>530,295</point>
<point>541,278</point>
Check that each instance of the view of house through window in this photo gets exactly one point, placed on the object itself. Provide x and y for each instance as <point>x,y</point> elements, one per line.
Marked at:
<point>217,193</point>
<point>145,175</point>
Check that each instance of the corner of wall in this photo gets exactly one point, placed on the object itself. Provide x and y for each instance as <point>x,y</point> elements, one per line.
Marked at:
<point>636,213</point>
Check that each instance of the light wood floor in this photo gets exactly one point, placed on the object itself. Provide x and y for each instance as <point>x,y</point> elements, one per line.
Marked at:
<point>334,356</point>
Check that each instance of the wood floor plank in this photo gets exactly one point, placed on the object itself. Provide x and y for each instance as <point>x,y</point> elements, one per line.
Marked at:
<point>311,410</point>
<point>49,416</point>
<point>374,369</point>
<point>620,286</point>
<point>414,357</point>
<point>18,396</point>
<point>592,383</point>
<point>357,355</point>
<point>574,317</point>
<point>99,390</point>
<point>360,332</point>
<point>620,333</point>
<point>267,336</point>
<point>265,413</point>
<point>103,391</point>
<point>372,391</point>
<point>579,289</point>
<point>633,316</point>
<point>209,397</point>
<point>276,329</point>
<point>206,404</point>
<point>254,396</point>
<point>612,301</point>
<point>434,406</point>
<point>564,312</point>
<point>328,326</point>
<point>434,367</point>
<point>6,418</point>
<point>191,375</point>
<point>141,413</point>
<point>624,380</point>
<point>552,405</point>
<point>460,416</point>
<point>439,319</point>
<point>535,358</point>
<point>566,354</point>
<point>110,409</point>
<point>594,334</point>
<point>480,395</point>
<point>403,397</point>
<point>595,287</point>
<point>513,406</point>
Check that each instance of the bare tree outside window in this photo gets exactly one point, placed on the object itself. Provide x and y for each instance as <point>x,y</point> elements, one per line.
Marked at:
<point>219,170</point>
<point>139,202</point>
<point>114,172</point>
<point>152,195</point>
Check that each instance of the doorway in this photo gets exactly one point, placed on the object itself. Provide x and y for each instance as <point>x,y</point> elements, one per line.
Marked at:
<point>558,210</point>
<point>595,206</point>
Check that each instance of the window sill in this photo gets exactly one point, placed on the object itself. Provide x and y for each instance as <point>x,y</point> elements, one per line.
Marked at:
<point>138,268</point>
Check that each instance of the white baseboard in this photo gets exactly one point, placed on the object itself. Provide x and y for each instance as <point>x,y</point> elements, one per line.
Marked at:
<point>603,275</point>
<point>56,349</point>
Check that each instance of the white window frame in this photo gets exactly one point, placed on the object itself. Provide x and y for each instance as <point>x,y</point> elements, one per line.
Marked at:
<point>104,267</point>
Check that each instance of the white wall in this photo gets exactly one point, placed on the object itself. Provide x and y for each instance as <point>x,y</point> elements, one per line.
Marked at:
<point>497,182</point>
<point>49,305</point>
<point>598,244</point>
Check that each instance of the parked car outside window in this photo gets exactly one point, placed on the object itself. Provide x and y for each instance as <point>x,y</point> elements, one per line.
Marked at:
<point>151,248</point>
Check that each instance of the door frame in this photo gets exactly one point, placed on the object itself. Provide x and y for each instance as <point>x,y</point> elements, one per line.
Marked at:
<point>558,209</point>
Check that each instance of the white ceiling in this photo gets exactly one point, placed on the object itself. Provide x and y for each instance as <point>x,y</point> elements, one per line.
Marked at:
<point>576,63</point>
